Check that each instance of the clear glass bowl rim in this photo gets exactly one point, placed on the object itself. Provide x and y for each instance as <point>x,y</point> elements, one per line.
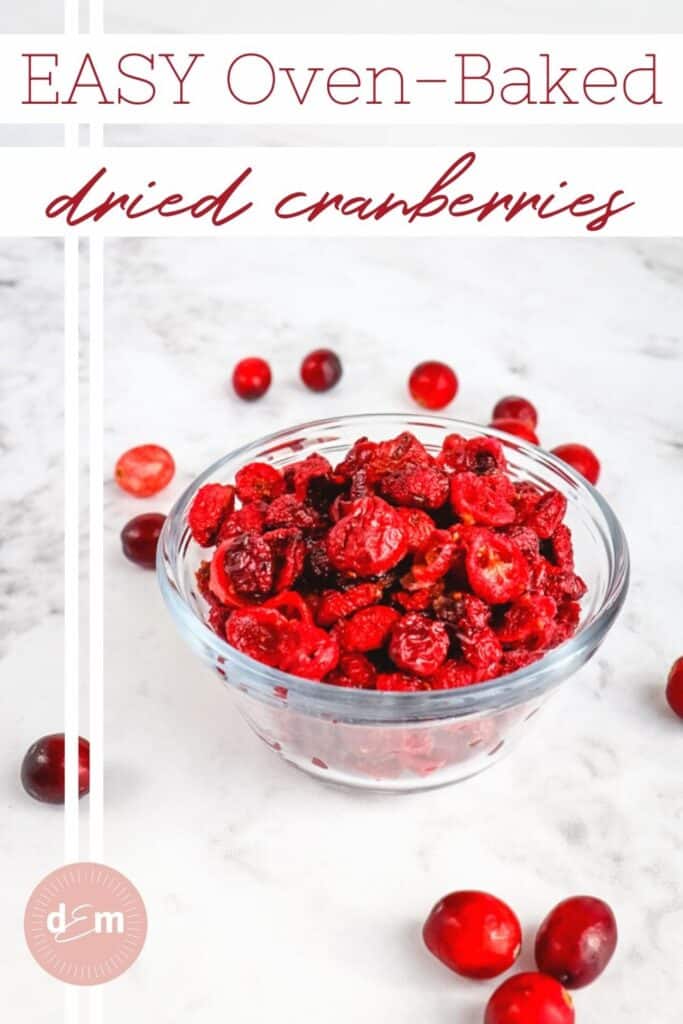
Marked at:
<point>373,705</point>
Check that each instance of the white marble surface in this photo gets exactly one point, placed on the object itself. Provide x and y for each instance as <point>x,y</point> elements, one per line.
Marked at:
<point>268,894</point>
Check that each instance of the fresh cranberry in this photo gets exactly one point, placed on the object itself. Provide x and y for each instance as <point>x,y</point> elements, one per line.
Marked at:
<point>473,933</point>
<point>139,538</point>
<point>433,385</point>
<point>145,470</point>
<point>321,369</point>
<point>576,941</point>
<point>251,378</point>
<point>520,428</point>
<point>580,458</point>
<point>42,770</point>
<point>530,998</point>
<point>674,688</point>
<point>512,407</point>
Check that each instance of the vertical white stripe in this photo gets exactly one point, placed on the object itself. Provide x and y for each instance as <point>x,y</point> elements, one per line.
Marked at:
<point>71,533</point>
<point>96,568</point>
<point>71,546</point>
<point>96,435</point>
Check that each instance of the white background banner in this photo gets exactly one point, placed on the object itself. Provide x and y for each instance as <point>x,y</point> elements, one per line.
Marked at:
<point>367,192</point>
<point>342,79</point>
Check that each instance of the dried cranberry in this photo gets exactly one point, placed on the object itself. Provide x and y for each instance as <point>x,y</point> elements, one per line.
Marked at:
<point>287,511</point>
<point>530,998</point>
<point>354,671</point>
<point>580,458</point>
<point>395,455</point>
<point>140,538</point>
<point>529,621</point>
<point>463,611</point>
<point>496,568</point>
<point>452,675</point>
<point>433,385</point>
<point>145,470</point>
<point>369,540</point>
<point>566,622</point>
<point>42,769</point>
<point>299,476</point>
<point>211,506</point>
<point>248,519</point>
<point>473,933</point>
<point>433,560</point>
<point>314,654</point>
<point>559,548</point>
<point>259,482</point>
<point>674,688</point>
<point>262,633</point>
<point>288,551</point>
<point>418,525</point>
<point>512,407</point>
<point>420,600</point>
<point>368,629</point>
<point>251,378</point>
<point>321,369</point>
<point>576,941</point>
<point>485,455</point>
<point>292,605</point>
<point>416,487</point>
<point>526,540</point>
<point>418,645</point>
<point>358,457</point>
<point>481,649</point>
<point>399,682</point>
<point>518,428</point>
<point>337,604</point>
<point>547,514</point>
<point>482,500</point>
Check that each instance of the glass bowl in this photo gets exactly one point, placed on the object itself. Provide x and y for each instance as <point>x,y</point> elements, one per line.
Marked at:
<point>397,741</point>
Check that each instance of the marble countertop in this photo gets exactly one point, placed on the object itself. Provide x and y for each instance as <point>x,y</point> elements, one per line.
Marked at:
<point>269,895</point>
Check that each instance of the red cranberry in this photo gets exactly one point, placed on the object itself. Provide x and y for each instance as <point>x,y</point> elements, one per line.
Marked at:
<point>512,407</point>
<point>144,470</point>
<point>576,941</point>
<point>321,369</point>
<point>674,688</point>
<point>473,933</point>
<point>530,999</point>
<point>520,428</point>
<point>251,378</point>
<point>433,385</point>
<point>42,770</point>
<point>581,459</point>
<point>139,538</point>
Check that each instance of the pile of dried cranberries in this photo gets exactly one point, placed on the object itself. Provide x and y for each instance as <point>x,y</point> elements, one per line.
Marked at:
<point>395,570</point>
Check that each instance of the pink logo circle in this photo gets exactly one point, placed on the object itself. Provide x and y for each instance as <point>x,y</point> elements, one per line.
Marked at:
<point>85,924</point>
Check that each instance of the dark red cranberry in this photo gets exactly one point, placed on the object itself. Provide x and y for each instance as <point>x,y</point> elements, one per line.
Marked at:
<point>580,458</point>
<point>576,941</point>
<point>433,385</point>
<point>251,378</point>
<point>321,369</point>
<point>530,998</point>
<point>42,770</point>
<point>519,428</point>
<point>473,933</point>
<point>139,538</point>
<point>674,688</point>
<point>512,407</point>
